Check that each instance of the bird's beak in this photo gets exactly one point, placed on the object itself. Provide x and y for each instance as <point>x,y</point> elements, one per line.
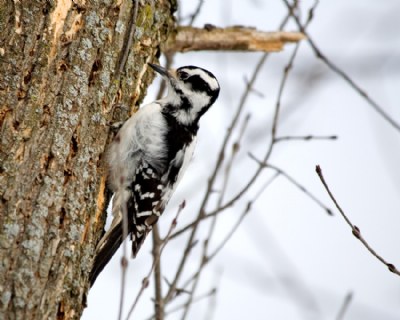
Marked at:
<point>162,71</point>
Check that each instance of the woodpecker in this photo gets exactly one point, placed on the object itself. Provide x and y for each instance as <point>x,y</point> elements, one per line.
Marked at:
<point>149,155</point>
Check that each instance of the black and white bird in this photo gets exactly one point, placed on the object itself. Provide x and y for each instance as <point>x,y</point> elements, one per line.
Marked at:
<point>149,155</point>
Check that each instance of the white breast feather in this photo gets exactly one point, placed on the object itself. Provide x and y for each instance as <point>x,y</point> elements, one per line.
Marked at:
<point>141,136</point>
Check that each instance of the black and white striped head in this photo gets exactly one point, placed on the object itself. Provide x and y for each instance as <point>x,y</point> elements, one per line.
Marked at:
<point>192,91</point>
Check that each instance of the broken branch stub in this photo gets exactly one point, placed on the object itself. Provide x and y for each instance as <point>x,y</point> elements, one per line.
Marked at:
<point>229,39</point>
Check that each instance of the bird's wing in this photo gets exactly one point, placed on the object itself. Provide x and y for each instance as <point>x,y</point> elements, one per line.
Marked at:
<point>145,205</point>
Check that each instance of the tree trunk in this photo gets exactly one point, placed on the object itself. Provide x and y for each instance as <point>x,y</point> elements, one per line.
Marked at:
<point>63,80</point>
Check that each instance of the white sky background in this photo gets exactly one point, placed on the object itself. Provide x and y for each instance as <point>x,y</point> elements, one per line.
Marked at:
<point>289,259</point>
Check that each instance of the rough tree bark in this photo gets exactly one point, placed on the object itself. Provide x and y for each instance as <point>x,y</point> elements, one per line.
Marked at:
<point>62,81</point>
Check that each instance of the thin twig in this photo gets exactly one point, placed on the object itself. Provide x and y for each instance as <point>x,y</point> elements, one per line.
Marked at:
<point>253,90</point>
<point>300,187</point>
<point>124,259</point>
<point>342,74</point>
<point>355,230</point>
<point>196,12</point>
<point>235,149</point>
<point>159,302</point>
<point>212,305</point>
<point>345,306</point>
<point>305,138</point>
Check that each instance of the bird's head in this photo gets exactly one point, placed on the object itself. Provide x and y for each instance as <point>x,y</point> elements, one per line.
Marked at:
<point>191,92</point>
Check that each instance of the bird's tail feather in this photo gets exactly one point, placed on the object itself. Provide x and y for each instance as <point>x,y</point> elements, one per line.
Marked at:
<point>112,239</point>
<point>105,250</point>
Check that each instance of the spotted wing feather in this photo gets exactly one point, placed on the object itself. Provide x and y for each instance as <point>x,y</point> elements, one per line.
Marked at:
<point>146,204</point>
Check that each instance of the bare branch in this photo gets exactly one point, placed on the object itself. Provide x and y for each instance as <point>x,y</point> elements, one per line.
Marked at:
<point>159,301</point>
<point>229,39</point>
<point>235,149</point>
<point>124,265</point>
<point>124,259</point>
<point>305,138</point>
<point>355,230</point>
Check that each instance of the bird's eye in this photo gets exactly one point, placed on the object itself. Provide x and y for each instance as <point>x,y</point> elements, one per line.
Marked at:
<point>183,75</point>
